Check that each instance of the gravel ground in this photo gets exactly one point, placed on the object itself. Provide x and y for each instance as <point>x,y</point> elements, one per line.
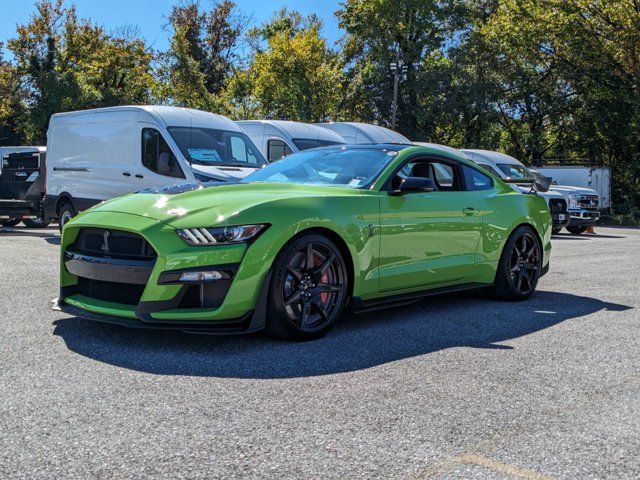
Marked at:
<point>452,387</point>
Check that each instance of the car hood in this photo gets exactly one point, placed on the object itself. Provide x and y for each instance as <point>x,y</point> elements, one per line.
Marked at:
<point>210,204</point>
<point>579,190</point>
<point>222,173</point>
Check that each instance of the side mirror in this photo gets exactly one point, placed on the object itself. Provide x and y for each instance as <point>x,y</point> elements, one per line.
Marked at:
<point>414,185</point>
<point>541,184</point>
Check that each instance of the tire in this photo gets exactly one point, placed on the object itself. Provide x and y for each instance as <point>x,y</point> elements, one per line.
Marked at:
<point>309,289</point>
<point>555,231</point>
<point>37,222</point>
<point>576,230</point>
<point>519,267</point>
<point>65,213</point>
<point>10,222</point>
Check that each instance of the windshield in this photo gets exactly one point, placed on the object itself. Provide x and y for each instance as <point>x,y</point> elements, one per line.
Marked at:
<point>207,146</point>
<point>515,171</point>
<point>341,167</point>
<point>307,143</point>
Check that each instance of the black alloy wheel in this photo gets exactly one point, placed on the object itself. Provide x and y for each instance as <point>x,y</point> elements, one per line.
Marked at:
<point>525,263</point>
<point>309,289</point>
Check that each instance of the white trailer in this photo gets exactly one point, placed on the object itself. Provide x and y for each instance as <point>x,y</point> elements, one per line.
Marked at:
<point>596,178</point>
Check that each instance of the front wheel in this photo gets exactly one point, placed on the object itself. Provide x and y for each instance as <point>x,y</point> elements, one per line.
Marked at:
<point>36,222</point>
<point>576,230</point>
<point>555,231</point>
<point>309,289</point>
<point>66,213</point>
<point>10,222</point>
<point>519,267</point>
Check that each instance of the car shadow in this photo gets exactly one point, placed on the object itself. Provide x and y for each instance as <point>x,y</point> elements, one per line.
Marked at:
<point>49,236</point>
<point>358,342</point>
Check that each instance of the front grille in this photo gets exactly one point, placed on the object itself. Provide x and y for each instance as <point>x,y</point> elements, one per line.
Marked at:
<point>588,202</point>
<point>107,243</point>
<point>126,293</point>
<point>557,205</point>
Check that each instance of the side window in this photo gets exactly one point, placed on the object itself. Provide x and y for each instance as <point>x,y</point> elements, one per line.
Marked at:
<point>476,180</point>
<point>240,152</point>
<point>277,149</point>
<point>157,156</point>
<point>444,176</point>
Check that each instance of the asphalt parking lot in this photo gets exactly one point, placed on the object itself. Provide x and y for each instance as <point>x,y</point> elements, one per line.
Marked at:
<point>452,387</point>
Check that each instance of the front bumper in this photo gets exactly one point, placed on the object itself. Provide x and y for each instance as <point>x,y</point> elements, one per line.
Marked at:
<point>142,296</point>
<point>583,218</point>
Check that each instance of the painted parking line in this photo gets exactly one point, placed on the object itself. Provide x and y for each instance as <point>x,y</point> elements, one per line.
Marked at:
<point>499,467</point>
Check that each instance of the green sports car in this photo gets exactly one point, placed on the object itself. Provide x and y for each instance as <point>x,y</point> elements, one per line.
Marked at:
<point>292,245</point>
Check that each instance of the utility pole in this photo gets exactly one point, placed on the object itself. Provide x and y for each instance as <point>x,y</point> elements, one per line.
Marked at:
<point>395,67</point>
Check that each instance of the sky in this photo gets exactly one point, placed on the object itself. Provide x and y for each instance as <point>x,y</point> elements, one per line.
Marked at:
<point>151,15</point>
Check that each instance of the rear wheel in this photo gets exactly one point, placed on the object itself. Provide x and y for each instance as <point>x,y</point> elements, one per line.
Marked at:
<point>10,222</point>
<point>309,289</point>
<point>576,230</point>
<point>519,267</point>
<point>65,213</point>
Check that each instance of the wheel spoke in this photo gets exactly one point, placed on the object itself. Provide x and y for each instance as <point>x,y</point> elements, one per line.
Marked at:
<point>321,270</point>
<point>320,308</point>
<point>325,287</point>
<point>309,258</point>
<point>519,281</point>
<point>294,298</point>
<point>297,274</point>
<point>306,312</point>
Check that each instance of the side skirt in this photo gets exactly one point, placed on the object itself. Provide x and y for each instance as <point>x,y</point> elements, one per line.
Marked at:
<point>362,306</point>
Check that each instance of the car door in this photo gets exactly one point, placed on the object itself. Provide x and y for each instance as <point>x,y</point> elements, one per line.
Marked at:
<point>428,238</point>
<point>157,164</point>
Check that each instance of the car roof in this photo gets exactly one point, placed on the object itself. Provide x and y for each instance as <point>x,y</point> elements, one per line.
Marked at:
<point>168,115</point>
<point>491,156</point>
<point>363,133</point>
<point>297,130</point>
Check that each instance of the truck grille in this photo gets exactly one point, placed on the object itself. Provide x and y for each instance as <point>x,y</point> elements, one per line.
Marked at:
<point>107,243</point>
<point>588,202</point>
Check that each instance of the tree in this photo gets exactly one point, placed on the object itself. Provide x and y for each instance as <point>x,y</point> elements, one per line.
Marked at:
<point>10,105</point>
<point>65,63</point>
<point>202,53</point>
<point>382,32</point>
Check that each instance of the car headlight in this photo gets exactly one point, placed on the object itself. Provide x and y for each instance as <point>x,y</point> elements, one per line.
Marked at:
<point>198,237</point>
<point>573,200</point>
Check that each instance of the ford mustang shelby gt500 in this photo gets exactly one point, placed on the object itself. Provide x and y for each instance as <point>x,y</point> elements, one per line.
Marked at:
<point>289,247</point>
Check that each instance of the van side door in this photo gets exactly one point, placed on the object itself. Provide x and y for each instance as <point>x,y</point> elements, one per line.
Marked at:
<point>156,163</point>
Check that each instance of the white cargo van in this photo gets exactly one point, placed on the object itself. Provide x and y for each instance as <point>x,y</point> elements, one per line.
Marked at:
<point>362,133</point>
<point>278,138</point>
<point>94,155</point>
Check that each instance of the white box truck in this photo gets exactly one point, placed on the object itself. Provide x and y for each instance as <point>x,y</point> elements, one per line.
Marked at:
<point>95,155</point>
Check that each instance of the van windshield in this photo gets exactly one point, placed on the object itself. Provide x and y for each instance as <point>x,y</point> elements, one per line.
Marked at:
<point>515,171</point>
<point>207,146</point>
<point>307,143</point>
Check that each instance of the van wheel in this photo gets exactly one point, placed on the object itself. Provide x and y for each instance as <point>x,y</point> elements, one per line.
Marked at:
<point>36,222</point>
<point>10,222</point>
<point>66,213</point>
<point>576,230</point>
<point>555,231</point>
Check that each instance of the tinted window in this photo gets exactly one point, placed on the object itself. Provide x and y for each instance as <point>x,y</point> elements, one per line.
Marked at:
<point>277,149</point>
<point>157,156</point>
<point>476,180</point>
<point>208,146</point>
<point>306,143</point>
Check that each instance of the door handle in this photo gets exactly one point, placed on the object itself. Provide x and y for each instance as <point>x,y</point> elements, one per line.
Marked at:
<point>139,176</point>
<point>126,174</point>
<point>470,211</point>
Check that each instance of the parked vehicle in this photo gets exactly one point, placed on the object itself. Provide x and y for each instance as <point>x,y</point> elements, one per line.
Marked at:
<point>278,138</point>
<point>364,133</point>
<point>569,213</point>
<point>95,155</point>
<point>22,186</point>
<point>596,178</point>
<point>287,248</point>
